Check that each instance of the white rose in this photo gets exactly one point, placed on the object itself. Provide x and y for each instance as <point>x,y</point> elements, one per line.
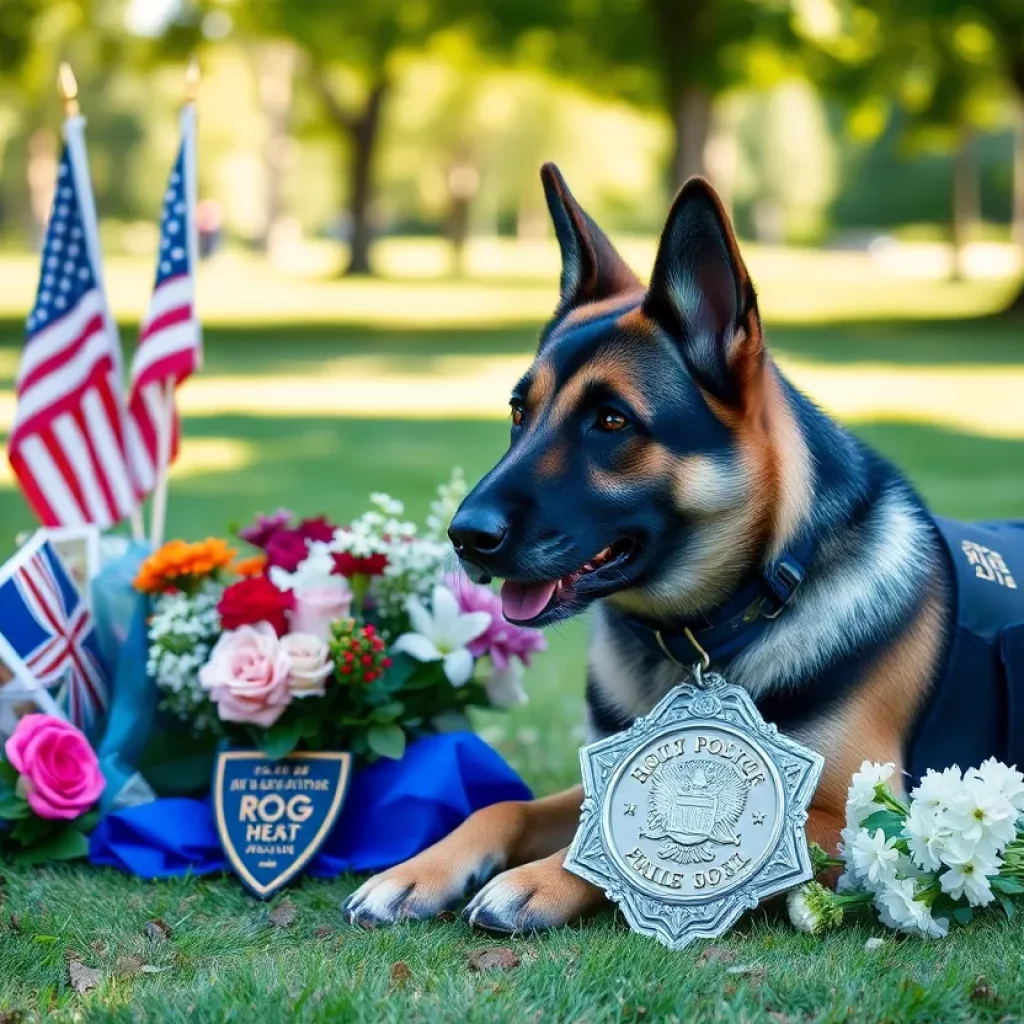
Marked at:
<point>309,664</point>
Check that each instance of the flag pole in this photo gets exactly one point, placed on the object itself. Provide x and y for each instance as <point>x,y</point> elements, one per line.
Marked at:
<point>67,87</point>
<point>165,425</point>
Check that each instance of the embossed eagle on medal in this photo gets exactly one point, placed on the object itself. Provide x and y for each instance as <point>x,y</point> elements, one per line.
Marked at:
<point>692,804</point>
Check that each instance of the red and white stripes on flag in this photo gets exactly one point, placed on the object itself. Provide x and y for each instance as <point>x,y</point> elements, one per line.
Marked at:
<point>68,443</point>
<point>170,342</point>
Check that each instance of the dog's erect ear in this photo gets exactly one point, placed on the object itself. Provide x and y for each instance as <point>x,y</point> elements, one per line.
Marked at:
<point>701,293</point>
<point>591,268</point>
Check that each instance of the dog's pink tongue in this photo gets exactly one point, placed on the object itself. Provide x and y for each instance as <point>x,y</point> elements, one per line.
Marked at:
<point>525,601</point>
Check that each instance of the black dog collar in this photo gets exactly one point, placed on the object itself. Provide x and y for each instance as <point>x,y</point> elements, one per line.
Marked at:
<point>721,634</point>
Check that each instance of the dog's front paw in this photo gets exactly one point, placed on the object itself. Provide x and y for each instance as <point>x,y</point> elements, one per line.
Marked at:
<point>532,897</point>
<point>415,890</point>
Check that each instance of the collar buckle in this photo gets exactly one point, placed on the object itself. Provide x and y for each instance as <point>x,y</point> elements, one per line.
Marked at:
<point>783,580</point>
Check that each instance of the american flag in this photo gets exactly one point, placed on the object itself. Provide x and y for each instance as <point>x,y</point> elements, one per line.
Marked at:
<point>67,447</point>
<point>47,633</point>
<point>170,342</point>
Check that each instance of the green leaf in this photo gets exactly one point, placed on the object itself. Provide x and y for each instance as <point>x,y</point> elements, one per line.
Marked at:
<point>27,831</point>
<point>964,915</point>
<point>281,738</point>
<point>427,674</point>
<point>12,808</point>
<point>65,845</point>
<point>87,822</point>
<point>1004,883</point>
<point>8,774</point>
<point>398,673</point>
<point>386,740</point>
<point>388,712</point>
<point>889,822</point>
<point>1007,904</point>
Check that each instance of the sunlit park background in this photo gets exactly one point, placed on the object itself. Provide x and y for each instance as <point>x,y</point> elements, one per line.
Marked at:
<point>379,264</point>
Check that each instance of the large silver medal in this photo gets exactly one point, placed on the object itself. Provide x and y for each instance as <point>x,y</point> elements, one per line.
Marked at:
<point>695,813</point>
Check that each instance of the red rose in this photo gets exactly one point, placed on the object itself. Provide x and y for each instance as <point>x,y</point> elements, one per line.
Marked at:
<point>348,565</point>
<point>255,600</point>
<point>286,549</point>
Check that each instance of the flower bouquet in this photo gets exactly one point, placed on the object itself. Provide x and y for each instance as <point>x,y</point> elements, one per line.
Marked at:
<point>329,637</point>
<point>956,846</point>
<point>50,781</point>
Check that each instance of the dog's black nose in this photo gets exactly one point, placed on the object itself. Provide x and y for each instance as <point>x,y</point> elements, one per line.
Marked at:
<point>476,532</point>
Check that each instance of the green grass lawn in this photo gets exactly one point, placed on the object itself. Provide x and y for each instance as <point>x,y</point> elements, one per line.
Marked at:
<point>226,960</point>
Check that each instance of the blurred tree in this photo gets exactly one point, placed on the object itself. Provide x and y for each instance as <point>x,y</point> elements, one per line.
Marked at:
<point>939,69</point>
<point>1008,18</point>
<point>680,56</point>
<point>355,53</point>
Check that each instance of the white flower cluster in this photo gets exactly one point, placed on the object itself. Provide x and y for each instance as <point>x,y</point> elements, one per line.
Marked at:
<point>414,564</point>
<point>445,505</point>
<point>953,839</point>
<point>182,633</point>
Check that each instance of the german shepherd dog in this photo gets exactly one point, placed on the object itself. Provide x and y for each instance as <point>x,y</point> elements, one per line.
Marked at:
<point>658,459</point>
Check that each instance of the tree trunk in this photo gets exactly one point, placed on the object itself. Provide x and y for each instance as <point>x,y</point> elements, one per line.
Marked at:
<point>1017,225</point>
<point>463,185</point>
<point>42,173</point>
<point>692,125</point>
<point>965,208</point>
<point>275,69</point>
<point>364,134</point>
<point>1016,306</point>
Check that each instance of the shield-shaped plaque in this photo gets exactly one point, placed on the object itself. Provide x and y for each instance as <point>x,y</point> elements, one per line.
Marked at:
<point>273,816</point>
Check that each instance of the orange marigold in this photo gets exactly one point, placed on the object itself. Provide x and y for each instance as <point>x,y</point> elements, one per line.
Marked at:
<point>179,564</point>
<point>252,566</point>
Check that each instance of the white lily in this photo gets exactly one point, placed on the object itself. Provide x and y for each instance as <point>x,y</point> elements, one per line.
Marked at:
<point>442,633</point>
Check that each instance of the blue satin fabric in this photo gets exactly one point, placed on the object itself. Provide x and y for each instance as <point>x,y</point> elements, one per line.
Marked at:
<point>393,810</point>
<point>120,615</point>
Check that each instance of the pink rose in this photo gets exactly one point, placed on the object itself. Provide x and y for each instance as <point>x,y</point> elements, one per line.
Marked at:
<point>60,775</point>
<point>318,606</point>
<point>310,664</point>
<point>247,675</point>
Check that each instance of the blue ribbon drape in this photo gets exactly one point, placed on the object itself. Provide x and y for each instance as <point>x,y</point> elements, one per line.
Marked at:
<point>393,810</point>
<point>120,615</point>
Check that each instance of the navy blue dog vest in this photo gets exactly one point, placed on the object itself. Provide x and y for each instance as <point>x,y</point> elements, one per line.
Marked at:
<point>976,709</point>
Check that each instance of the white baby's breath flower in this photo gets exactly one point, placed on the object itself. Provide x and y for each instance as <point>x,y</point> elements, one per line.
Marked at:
<point>873,856</point>
<point>860,798</point>
<point>1007,780</point>
<point>444,507</point>
<point>181,634</point>
<point>386,504</point>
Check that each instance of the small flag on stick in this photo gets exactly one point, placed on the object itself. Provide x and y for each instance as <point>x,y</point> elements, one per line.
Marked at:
<point>170,341</point>
<point>48,637</point>
<point>67,446</point>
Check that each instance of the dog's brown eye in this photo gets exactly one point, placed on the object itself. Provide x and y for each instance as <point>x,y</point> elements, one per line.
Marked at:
<point>610,420</point>
<point>517,414</point>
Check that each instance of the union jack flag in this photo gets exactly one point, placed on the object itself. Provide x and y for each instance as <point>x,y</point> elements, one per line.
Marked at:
<point>67,446</point>
<point>47,636</point>
<point>170,342</point>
